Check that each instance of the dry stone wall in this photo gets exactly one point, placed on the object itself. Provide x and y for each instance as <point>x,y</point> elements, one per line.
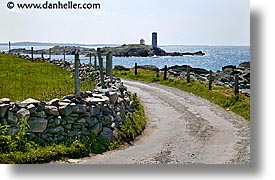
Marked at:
<point>99,111</point>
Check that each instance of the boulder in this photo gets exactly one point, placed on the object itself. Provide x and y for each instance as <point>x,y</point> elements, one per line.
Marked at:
<point>37,124</point>
<point>13,131</point>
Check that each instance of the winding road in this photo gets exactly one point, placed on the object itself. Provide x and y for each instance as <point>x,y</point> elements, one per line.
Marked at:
<point>182,129</point>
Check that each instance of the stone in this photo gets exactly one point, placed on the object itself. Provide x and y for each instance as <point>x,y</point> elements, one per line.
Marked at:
<point>106,109</point>
<point>113,96</point>
<point>69,97</point>
<point>54,130</point>
<point>31,108</point>
<point>107,120</point>
<point>95,100</point>
<point>5,101</point>
<point>13,131</point>
<point>41,106</point>
<point>107,134</point>
<point>23,114</point>
<point>29,101</point>
<point>96,129</point>
<point>41,114</point>
<point>3,121</point>
<point>52,110</point>
<point>37,124</point>
<point>12,119</point>
<point>53,102</point>
<point>94,110</point>
<point>106,99</point>
<point>19,104</point>
<point>3,109</point>
<point>13,108</point>
<point>92,121</point>
<point>81,108</point>
<point>73,133</point>
<point>68,126</point>
<point>82,121</point>
<point>65,110</point>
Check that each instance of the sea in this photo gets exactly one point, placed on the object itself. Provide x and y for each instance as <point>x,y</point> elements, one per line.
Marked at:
<point>216,56</point>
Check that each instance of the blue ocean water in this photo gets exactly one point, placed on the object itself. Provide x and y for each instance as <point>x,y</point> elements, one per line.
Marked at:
<point>216,57</point>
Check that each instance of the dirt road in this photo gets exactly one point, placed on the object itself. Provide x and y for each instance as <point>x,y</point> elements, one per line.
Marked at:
<point>182,129</point>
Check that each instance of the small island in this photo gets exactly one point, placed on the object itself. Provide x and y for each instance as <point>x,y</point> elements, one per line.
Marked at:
<point>131,50</point>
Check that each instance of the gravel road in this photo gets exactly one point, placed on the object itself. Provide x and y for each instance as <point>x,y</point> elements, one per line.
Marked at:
<point>182,129</point>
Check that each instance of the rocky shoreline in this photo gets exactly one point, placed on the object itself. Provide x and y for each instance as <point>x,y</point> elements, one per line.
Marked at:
<point>131,50</point>
<point>224,77</point>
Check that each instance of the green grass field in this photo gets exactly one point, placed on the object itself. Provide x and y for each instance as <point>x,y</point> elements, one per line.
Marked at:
<point>21,79</point>
<point>221,96</point>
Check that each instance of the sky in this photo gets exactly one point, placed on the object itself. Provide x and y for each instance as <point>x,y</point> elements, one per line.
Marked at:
<point>177,22</point>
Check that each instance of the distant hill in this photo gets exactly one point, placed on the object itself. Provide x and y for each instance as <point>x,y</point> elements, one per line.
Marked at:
<point>52,44</point>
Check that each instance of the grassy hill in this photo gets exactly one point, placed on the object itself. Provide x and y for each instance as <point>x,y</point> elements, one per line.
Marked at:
<point>21,79</point>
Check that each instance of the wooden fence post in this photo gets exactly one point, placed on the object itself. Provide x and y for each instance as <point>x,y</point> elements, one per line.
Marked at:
<point>210,80</point>
<point>95,64</point>
<point>165,73</point>
<point>9,47</point>
<point>188,74</point>
<point>135,69</point>
<point>109,65</point>
<point>32,52</point>
<point>76,76</point>
<point>236,85</point>
<point>90,60</point>
<point>101,69</point>
<point>50,53</point>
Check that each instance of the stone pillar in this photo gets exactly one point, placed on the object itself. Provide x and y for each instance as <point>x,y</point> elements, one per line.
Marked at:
<point>165,73</point>
<point>65,55</point>
<point>42,55</point>
<point>101,68</point>
<point>76,75</point>
<point>210,80</point>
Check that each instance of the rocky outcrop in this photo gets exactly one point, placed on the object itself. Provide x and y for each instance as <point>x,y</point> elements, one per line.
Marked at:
<point>131,50</point>
<point>225,77</point>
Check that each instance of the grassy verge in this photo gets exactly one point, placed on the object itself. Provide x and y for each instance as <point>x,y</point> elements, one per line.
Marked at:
<point>221,96</point>
<point>21,79</point>
<point>20,150</point>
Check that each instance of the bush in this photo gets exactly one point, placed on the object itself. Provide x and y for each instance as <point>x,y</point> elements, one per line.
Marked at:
<point>121,68</point>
